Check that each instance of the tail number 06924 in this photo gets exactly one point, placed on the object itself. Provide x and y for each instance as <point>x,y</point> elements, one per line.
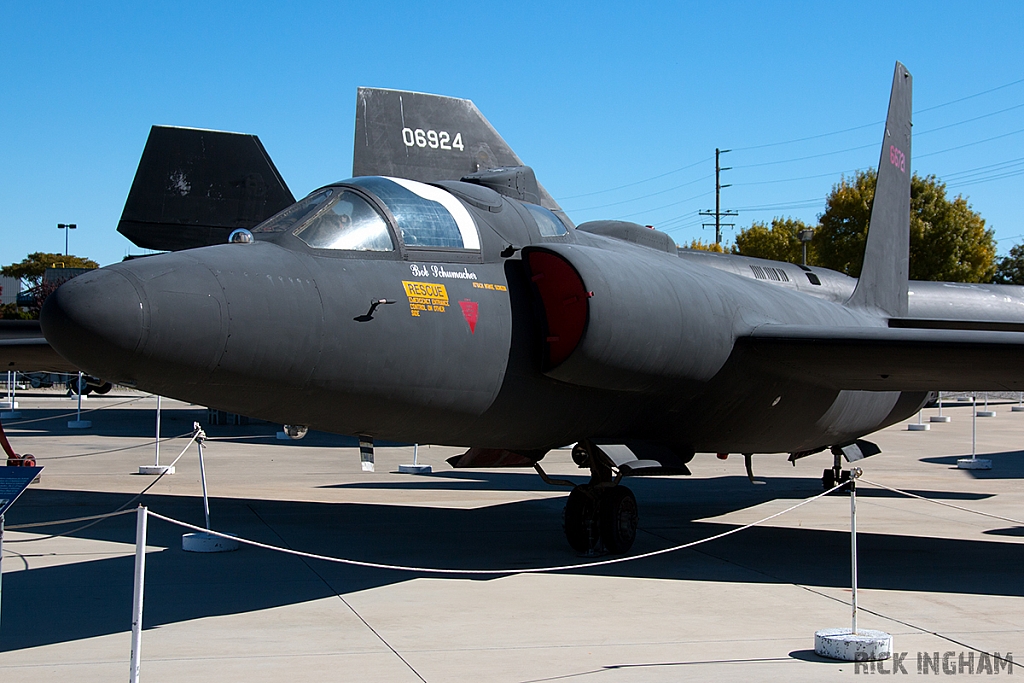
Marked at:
<point>432,139</point>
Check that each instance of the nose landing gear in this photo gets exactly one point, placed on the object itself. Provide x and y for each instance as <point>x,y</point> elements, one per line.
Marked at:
<point>600,515</point>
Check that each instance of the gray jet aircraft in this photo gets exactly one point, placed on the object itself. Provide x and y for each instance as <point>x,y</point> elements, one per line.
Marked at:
<point>442,296</point>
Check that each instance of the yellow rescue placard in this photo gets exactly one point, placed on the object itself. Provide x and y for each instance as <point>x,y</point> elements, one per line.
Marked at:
<point>426,296</point>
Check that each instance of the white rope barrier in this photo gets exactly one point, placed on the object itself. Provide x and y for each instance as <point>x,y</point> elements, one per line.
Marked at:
<point>491,572</point>
<point>19,423</point>
<point>34,525</point>
<point>939,502</point>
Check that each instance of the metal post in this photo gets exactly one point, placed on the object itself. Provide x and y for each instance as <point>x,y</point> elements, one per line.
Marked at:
<point>140,582</point>
<point>156,462</point>
<point>1,564</point>
<point>79,386</point>
<point>853,542</point>
<point>974,426</point>
<point>415,454</point>
<point>940,404</point>
<point>202,475</point>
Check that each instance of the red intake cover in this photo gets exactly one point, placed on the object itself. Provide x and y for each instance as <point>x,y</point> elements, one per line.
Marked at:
<point>565,303</point>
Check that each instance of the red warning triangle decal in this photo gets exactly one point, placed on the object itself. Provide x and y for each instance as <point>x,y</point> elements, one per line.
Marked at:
<point>470,311</point>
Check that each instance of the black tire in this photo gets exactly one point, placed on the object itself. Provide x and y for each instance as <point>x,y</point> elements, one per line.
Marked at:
<point>104,388</point>
<point>828,479</point>
<point>619,519</point>
<point>580,520</point>
<point>580,455</point>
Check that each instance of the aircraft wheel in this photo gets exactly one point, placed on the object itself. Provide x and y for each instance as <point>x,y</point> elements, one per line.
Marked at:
<point>828,479</point>
<point>104,388</point>
<point>580,455</point>
<point>619,519</point>
<point>580,519</point>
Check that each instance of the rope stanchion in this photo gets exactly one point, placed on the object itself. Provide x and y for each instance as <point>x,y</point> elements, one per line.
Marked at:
<point>140,584</point>
<point>491,572</point>
<point>121,510</point>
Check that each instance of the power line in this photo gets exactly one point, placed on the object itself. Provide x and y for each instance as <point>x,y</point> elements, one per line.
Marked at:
<point>639,182</point>
<point>646,196</point>
<point>665,206</point>
<point>971,144</point>
<point>969,97</point>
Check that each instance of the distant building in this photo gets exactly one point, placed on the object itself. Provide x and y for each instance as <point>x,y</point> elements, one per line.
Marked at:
<point>11,287</point>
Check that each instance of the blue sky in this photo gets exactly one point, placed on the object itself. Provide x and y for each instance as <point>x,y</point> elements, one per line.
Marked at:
<point>618,107</point>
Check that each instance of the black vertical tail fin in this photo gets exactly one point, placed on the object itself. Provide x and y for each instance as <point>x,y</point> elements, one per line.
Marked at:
<point>193,187</point>
<point>883,280</point>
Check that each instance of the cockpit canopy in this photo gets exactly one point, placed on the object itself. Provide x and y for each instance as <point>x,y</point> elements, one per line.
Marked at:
<point>342,217</point>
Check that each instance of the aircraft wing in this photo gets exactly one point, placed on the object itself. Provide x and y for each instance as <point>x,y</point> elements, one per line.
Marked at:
<point>23,348</point>
<point>889,359</point>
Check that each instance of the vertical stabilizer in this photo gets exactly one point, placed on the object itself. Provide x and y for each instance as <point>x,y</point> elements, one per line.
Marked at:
<point>883,279</point>
<point>428,138</point>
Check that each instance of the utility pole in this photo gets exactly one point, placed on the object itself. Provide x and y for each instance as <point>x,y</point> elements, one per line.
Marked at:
<point>718,213</point>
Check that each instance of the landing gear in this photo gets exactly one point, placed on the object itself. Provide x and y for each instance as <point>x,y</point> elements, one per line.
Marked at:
<point>580,519</point>
<point>836,475</point>
<point>598,516</point>
<point>619,519</point>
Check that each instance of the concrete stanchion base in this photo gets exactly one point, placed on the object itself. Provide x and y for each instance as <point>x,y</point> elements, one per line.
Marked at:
<point>79,424</point>
<point>202,542</point>
<point>939,418</point>
<point>10,415</point>
<point>915,427</point>
<point>414,469</point>
<point>8,405</point>
<point>986,413</point>
<point>155,469</point>
<point>1017,409</point>
<point>974,464</point>
<point>842,644</point>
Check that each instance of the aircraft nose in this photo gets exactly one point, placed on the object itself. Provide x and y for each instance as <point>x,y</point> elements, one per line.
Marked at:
<point>96,321</point>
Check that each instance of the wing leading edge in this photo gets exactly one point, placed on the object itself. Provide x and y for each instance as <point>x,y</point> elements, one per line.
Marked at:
<point>889,359</point>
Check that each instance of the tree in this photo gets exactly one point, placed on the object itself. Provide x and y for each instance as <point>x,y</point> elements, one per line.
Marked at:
<point>1010,270</point>
<point>948,240</point>
<point>710,246</point>
<point>778,242</point>
<point>32,268</point>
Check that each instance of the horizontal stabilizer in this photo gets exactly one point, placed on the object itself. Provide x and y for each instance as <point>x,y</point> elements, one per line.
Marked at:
<point>193,187</point>
<point>889,359</point>
<point>428,138</point>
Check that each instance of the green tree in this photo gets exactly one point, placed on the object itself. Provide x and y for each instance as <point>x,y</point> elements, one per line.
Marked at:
<point>710,246</point>
<point>948,240</point>
<point>1010,270</point>
<point>32,268</point>
<point>779,241</point>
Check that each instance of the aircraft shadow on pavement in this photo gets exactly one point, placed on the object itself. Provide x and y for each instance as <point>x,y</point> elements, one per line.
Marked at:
<point>46,605</point>
<point>1005,464</point>
<point>141,423</point>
